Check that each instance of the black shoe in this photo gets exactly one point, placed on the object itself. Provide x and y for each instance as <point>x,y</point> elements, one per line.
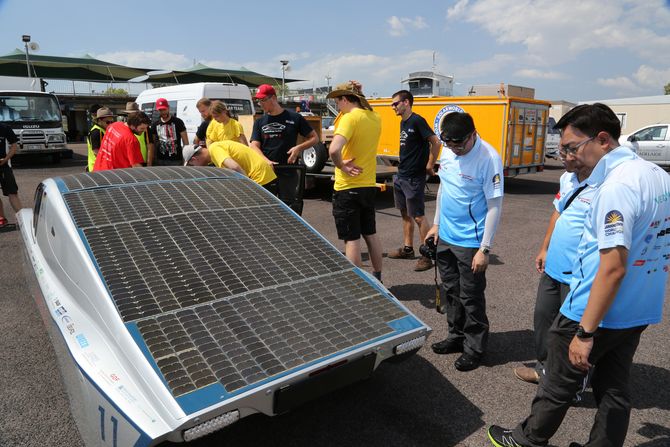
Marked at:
<point>502,437</point>
<point>467,362</point>
<point>447,347</point>
<point>575,444</point>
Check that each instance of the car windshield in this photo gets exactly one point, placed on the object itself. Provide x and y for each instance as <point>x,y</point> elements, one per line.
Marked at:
<point>26,107</point>
<point>327,121</point>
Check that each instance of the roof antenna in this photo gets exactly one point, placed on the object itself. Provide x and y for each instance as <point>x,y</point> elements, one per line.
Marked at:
<point>434,66</point>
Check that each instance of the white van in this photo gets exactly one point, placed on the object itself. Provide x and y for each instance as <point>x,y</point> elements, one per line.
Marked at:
<point>182,99</point>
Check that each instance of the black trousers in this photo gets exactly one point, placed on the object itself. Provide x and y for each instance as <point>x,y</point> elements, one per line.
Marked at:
<point>550,297</point>
<point>466,305</point>
<point>290,186</point>
<point>612,357</point>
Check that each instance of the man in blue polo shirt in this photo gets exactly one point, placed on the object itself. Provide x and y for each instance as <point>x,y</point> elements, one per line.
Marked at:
<point>469,202</point>
<point>617,286</point>
<point>557,254</point>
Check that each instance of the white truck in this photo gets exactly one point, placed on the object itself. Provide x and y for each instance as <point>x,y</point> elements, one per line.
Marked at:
<point>34,116</point>
<point>183,98</point>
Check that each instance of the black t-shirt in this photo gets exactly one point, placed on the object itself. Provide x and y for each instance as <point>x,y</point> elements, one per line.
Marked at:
<point>277,134</point>
<point>7,138</point>
<point>167,137</point>
<point>414,146</point>
<point>201,133</point>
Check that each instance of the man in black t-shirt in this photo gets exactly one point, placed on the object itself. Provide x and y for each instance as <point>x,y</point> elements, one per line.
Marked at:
<point>275,136</point>
<point>7,181</point>
<point>419,148</point>
<point>203,105</point>
<point>169,136</point>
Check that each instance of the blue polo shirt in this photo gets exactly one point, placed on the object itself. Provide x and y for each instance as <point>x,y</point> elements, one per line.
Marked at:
<point>631,208</point>
<point>467,181</point>
<point>569,227</point>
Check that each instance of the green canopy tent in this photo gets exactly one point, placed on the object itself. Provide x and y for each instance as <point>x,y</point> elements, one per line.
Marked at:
<point>203,73</point>
<point>84,68</point>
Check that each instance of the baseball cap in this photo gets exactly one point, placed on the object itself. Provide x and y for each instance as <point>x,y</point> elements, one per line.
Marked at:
<point>265,90</point>
<point>189,151</point>
<point>162,104</point>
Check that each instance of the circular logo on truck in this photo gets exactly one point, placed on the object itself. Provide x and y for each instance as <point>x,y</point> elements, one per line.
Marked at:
<point>442,113</point>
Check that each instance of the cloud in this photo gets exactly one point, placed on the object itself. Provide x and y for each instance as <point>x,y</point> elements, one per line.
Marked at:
<point>399,25</point>
<point>534,73</point>
<point>559,31</point>
<point>645,78</point>
<point>623,84</point>
<point>157,59</point>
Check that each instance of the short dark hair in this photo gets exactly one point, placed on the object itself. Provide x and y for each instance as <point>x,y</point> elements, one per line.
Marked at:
<point>456,125</point>
<point>590,119</point>
<point>204,102</point>
<point>138,118</point>
<point>404,95</point>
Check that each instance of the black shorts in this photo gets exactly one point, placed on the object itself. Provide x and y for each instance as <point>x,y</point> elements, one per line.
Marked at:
<point>354,213</point>
<point>7,180</point>
<point>408,193</point>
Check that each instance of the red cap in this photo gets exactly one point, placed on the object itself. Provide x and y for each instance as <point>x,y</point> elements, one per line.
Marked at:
<point>264,91</point>
<point>162,104</point>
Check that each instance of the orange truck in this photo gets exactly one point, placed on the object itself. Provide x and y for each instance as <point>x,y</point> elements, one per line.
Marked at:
<point>515,126</point>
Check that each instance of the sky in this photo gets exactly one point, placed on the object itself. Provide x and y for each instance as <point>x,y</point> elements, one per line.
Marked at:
<point>574,50</point>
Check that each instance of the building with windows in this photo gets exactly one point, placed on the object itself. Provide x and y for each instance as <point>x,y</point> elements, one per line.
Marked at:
<point>635,113</point>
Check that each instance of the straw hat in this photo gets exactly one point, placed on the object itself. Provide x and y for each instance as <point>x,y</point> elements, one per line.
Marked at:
<point>349,88</point>
<point>103,112</point>
<point>131,107</point>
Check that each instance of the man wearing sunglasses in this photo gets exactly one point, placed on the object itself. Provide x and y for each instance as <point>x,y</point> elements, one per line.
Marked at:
<point>617,286</point>
<point>102,118</point>
<point>419,148</point>
<point>468,206</point>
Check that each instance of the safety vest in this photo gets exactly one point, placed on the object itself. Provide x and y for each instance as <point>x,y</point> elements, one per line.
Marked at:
<point>142,138</point>
<point>91,154</point>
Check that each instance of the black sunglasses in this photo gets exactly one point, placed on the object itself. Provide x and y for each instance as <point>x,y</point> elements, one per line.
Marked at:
<point>446,139</point>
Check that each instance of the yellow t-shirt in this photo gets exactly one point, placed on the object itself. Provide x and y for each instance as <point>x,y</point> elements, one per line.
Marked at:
<point>362,129</point>
<point>217,131</point>
<point>254,165</point>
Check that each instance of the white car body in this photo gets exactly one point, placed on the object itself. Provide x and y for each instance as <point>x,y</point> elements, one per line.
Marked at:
<point>650,142</point>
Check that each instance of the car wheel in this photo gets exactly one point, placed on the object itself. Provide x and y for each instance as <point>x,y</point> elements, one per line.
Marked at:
<point>315,158</point>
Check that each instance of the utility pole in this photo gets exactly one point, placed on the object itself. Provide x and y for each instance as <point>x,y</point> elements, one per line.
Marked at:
<point>26,41</point>
<point>284,64</point>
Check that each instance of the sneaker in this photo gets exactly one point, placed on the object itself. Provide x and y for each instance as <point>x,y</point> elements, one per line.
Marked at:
<point>423,264</point>
<point>3,221</point>
<point>402,253</point>
<point>502,437</point>
<point>527,374</point>
<point>447,347</point>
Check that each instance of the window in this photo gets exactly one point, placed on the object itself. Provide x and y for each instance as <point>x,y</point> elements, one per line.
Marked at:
<point>655,133</point>
<point>622,119</point>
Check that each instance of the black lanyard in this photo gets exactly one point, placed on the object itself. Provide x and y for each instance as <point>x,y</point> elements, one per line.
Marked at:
<point>574,196</point>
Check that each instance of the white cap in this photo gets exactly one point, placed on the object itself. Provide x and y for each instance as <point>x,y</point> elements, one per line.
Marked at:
<point>189,151</point>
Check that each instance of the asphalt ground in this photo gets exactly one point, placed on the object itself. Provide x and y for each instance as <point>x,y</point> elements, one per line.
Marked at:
<point>423,401</point>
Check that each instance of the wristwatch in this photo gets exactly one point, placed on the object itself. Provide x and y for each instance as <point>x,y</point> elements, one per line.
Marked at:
<point>581,333</point>
<point>484,249</point>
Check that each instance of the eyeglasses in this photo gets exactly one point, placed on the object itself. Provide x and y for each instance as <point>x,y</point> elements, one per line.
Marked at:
<point>395,104</point>
<point>573,150</point>
<point>262,100</point>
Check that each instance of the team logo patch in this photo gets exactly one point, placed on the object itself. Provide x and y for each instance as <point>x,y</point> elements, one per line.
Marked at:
<point>442,113</point>
<point>613,223</point>
<point>496,181</point>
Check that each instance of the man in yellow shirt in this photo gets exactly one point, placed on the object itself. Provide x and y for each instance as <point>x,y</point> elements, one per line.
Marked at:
<point>231,155</point>
<point>222,126</point>
<point>354,153</point>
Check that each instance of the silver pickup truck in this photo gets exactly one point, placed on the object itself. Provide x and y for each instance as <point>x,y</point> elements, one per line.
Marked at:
<point>180,300</point>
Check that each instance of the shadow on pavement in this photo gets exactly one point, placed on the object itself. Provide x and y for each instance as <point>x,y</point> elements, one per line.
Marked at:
<point>659,435</point>
<point>530,186</point>
<point>419,408</point>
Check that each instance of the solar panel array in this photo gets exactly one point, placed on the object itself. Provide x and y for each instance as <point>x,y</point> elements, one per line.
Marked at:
<point>225,285</point>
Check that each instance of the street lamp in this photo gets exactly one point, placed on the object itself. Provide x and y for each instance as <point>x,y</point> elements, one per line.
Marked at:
<point>328,78</point>
<point>26,41</point>
<point>284,67</point>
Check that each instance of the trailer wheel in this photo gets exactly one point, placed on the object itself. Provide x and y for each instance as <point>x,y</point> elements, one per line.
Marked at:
<point>315,158</point>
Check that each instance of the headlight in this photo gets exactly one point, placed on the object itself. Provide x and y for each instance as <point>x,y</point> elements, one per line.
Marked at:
<point>59,138</point>
<point>211,425</point>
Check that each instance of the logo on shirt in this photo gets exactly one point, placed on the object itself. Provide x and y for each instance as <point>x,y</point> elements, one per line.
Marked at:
<point>638,262</point>
<point>496,181</point>
<point>613,223</point>
<point>273,128</point>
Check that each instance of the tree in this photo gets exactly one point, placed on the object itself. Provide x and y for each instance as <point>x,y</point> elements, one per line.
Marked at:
<point>115,92</point>
<point>667,88</point>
